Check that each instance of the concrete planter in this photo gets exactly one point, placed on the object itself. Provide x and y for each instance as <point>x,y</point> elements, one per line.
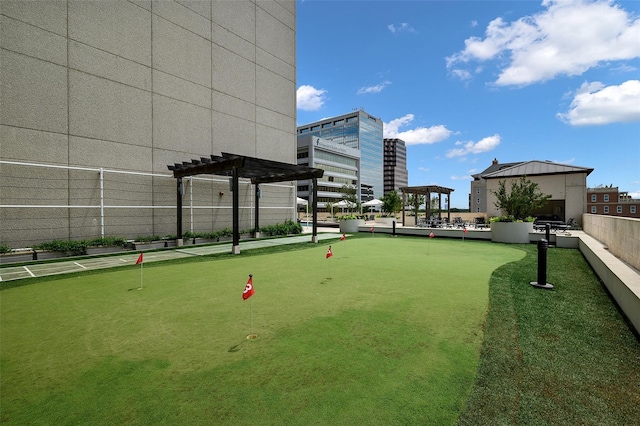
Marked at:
<point>350,225</point>
<point>511,232</point>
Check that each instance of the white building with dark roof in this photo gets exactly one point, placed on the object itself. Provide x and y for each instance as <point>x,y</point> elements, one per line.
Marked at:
<point>567,185</point>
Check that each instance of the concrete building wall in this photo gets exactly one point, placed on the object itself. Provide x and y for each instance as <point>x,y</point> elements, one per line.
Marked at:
<point>134,86</point>
<point>568,187</point>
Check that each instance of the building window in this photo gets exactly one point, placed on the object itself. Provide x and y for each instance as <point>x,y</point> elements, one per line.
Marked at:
<point>594,209</point>
<point>325,125</point>
<point>606,209</point>
<point>632,209</point>
<point>477,190</point>
<point>477,209</point>
<point>594,198</point>
<point>606,197</point>
<point>477,200</point>
<point>619,209</point>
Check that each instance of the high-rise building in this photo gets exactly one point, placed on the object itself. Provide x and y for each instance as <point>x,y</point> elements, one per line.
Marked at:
<point>361,131</point>
<point>339,162</point>
<point>99,97</point>
<point>396,175</point>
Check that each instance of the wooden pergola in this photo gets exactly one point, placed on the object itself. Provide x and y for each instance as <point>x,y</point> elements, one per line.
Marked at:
<point>258,170</point>
<point>427,191</point>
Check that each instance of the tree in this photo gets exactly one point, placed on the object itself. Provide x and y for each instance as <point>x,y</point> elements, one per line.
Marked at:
<point>391,202</point>
<point>522,200</point>
<point>350,195</point>
<point>415,201</point>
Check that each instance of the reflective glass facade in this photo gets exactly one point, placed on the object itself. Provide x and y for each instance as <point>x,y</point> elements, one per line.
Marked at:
<point>361,131</point>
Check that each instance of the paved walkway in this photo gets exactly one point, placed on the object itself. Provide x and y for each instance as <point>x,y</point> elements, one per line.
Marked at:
<point>10,273</point>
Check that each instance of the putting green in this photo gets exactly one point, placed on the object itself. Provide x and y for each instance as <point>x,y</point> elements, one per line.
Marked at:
<point>387,330</point>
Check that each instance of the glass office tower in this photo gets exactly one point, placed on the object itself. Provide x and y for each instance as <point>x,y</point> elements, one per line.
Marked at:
<point>363,132</point>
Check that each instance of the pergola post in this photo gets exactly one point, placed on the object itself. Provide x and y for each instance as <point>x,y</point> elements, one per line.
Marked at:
<point>179,212</point>
<point>314,193</point>
<point>235,249</point>
<point>256,225</point>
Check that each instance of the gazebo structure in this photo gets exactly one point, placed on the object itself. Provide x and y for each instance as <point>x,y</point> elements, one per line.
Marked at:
<point>427,191</point>
<point>240,166</point>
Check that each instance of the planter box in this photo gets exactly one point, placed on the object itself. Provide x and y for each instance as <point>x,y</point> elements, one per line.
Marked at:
<point>350,225</point>
<point>148,246</point>
<point>16,257</point>
<point>511,232</point>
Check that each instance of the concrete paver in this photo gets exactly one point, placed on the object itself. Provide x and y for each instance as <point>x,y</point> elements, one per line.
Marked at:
<point>10,273</point>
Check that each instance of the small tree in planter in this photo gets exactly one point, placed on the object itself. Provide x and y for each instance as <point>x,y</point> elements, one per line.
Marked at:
<point>391,203</point>
<point>415,201</point>
<point>518,204</point>
<point>521,201</point>
<point>350,195</point>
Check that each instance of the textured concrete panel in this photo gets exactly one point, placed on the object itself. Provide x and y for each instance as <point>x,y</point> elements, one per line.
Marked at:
<point>34,185</point>
<point>275,145</point>
<point>201,7</point>
<point>181,53</point>
<point>20,228</point>
<point>36,91</point>
<point>275,37</point>
<point>178,124</point>
<point>32,41</point>
<point>106,110</point>
<point>184,17</point>
<point>234,135</point>
<point>49,15</point>
<point>271,86</point>
<point>35,146</point>
<point>112,67</point>
<point>183,90</point>
<point>276,65</point>
<point>289,5</point>
<point>233,74</point>
<point>107,154</point>
<point>233,106</point>
<point>115,26</point>
<point>273,119</point>
<point>280,10</point>
<point>233,42</point>
<point>236,16</point>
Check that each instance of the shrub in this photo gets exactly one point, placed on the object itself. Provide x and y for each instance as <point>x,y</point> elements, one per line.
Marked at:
<point>4,249</point>
<point>73,247</point>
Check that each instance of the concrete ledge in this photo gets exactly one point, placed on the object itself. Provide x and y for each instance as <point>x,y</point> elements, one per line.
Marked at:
<point>622,281</point>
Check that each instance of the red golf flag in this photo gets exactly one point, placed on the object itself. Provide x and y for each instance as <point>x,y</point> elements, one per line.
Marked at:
<point>371,229</point>
<point>139,261</point>
<point>329,252</point>
<point>248,289</point>
<point>344,237</point>
<point>431,235</point>
<point>464,230</point>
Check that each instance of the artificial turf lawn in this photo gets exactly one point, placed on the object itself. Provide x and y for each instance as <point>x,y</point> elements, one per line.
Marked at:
<point>387,331</point>
<point>565,356</point>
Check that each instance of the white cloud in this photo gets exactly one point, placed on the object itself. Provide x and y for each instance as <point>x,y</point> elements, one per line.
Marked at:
<point>373,89</point>
<point>484,145</point>
<point>423,169</point>
<point>419,135</point>
<point>403,27</point>
<point>595,104</point>
<point>308,98</point>
<point>567,38</point>
<point>461,177</point>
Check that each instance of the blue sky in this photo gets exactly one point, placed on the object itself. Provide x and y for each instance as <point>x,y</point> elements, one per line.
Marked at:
<point>464,82</point>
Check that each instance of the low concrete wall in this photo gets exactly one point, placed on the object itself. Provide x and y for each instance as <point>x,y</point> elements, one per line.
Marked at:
<point>621,235</point>
<point>622,281</point>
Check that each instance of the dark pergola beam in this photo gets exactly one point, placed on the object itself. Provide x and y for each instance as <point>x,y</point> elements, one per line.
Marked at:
<point>257,170</point>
